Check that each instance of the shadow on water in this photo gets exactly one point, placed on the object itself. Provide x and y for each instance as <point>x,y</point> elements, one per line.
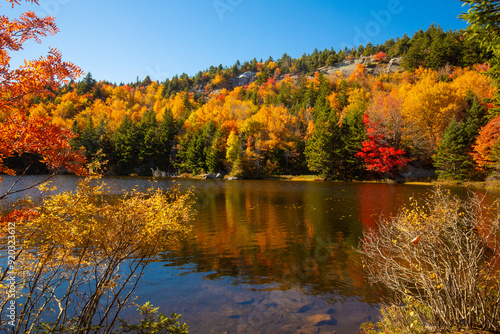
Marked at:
<point>270,256</point>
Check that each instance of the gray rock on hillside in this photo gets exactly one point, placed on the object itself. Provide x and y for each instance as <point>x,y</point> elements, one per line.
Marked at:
<point>243,79</point>
<point>394,65</point>
<point>346,67</point>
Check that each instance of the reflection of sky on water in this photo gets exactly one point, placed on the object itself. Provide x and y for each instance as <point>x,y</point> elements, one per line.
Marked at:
<point>267,256</point>
<point>225,306</point>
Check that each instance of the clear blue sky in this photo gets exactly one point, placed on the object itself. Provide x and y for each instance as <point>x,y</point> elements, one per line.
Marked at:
<point>120,40</point>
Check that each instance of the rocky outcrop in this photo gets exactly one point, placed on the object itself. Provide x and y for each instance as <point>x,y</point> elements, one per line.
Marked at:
<point>394,65</point>
<point>243,79</point>
<point>346,67</point>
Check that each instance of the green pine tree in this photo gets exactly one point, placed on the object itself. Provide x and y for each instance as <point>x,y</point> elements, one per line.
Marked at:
<point>167,131</point>
<point>476,118</point>
<point>148,140</point>
<point>103,137</point>
<point>192,153</point>
<point>452,158</point>
<point>324,150</point>
<point>126,147</point>
<point>88,138</point>
<point>216,153</point>
<point>353,133</point>
<point>194,148</point>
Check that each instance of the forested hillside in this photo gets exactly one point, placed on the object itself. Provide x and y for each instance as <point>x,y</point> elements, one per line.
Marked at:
<point>285,116</point>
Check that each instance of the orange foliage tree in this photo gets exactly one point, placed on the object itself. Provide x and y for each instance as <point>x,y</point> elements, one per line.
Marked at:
<point>485,143</point>
<point>35,77</point>
<point>20,134</point>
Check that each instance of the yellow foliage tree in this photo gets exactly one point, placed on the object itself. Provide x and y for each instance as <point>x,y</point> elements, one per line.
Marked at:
<point>333,101</point>
<point>273,128</point>
<point>358,101</point>
<point>233,154</point>
<point>177,105</point>
<point>218,80</point>
<point>429,105</point>
<point>81,253</point>
<point>470,81</point>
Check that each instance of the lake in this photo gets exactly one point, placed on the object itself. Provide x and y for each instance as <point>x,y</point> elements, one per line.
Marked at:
<point>268,256</point>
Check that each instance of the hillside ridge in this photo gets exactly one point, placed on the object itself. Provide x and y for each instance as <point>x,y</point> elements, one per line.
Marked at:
<point>344,68</point>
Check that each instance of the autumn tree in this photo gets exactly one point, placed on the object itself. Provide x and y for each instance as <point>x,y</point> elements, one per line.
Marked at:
<point>35,77</point>
<point>82,252</point>
<point>439,262</point>
<point>275,133</point>
<point>234,153</point>
<point>36,136</point>
<point>380,56</point>
<point>379,156</point>
<point>42,141</point>
<point>428,106</point>
<point>488,137</point>
<point>386,118</point>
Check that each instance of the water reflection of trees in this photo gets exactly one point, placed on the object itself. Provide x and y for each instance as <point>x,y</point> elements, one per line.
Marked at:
<point>294,238</point>
<point>292,234</point>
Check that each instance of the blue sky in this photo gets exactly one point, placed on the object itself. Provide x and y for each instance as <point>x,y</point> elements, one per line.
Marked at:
<point>120,40</point>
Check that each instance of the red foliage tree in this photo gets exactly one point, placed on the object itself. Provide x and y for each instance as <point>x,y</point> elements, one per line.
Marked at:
<point>380,56</point>
<point>379,156</point>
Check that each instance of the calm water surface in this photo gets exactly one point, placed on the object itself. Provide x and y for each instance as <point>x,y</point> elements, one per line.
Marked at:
<point>269,256</point>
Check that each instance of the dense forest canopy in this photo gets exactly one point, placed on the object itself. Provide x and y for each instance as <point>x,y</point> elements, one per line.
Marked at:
<point>424,103</point>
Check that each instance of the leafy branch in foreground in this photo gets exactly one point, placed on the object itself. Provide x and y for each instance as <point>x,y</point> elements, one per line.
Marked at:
<point>80,255</point>
<point>441,262</point>
<point>154,322</point>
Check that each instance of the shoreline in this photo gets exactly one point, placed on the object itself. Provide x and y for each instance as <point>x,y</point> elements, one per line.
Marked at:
<point>494,185</point>
<point>487,184</point>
